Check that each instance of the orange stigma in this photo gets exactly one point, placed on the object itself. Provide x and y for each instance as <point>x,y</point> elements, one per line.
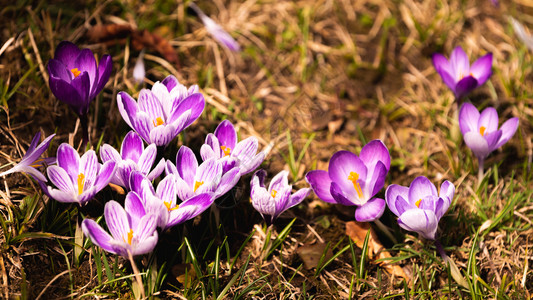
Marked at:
<point>417,203</point>
<point>75,72</point>
<point>130,236</point>
<point>353,177</point>
<point>482,130</point>
<point>81,183</point>
<point>274,193</point>
<point>226,150</point>
<point>168,204</point>
<point>197,184</point>
<point>158,121</point>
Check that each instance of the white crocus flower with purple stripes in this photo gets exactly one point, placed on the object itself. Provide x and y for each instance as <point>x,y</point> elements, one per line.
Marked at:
<point>133,231</point>
<point>133,157</point>
<point>31,160</point>
<point>278,198</point>
<point>222,145</point>
<point>419,207</point>
<point>162,202</point>
<point>193,179</point>
<point>77,179</point>
<point>163,112</point>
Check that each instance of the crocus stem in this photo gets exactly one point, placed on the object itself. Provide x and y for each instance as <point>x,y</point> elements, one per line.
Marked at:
<point>266,243</point>
<point>137,275</point>
<point>440,249</point>
<point>385,230</point>
<point>84,131</point>
<point>480,170</point>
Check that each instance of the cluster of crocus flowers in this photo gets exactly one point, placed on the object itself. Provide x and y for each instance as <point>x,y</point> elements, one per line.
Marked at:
<point>272,202</point>
<point>75,76</point>
<point>223,146</point>
<point>76,179</point>
<point>222,36</point>
<point>32,159</point>
<point>133,157</point>
<point>481,133</point>
<point>355,180</point>
<point>459,75</point>
<point>419,207</point>
<point>163,112</point>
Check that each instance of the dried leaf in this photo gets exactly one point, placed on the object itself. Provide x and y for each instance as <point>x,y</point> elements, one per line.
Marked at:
<point>102,33</point>
<point>357,232</point>
<point>184,274</point>
<point>311,254</point>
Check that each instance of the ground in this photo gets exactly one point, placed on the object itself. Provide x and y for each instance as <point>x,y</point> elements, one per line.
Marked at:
<point>312,78</point>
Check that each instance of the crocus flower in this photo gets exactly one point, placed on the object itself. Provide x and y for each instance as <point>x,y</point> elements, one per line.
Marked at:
<point>77,179</point>
<point>162,202</point>
<point>520,31</point>
<point>139,72</point>
<point>222,36</point>
<point>354,180</point>
<point>75,77</point>
<point>193,179</point>
<point>133,157</point>
<point>457,73</point>
<point>223,146</point>
<point>481,133</point>
<point>278,198</point>
<point>419,207</point>
<point>132,230</point>
<point>163,112</point>
<point>31,159</point>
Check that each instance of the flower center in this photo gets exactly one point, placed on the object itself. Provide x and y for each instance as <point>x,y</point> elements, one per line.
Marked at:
<point>75,72</point>
<point>274,193</point>
<point>81,183</point>
<point>197,184</point>
<point>353,177</point>
<point>158,121</point>
<point>226,150</point>
<point>130,236</point>
<point>482,130</point>
<point>168,204</point>
<point>417,203</point>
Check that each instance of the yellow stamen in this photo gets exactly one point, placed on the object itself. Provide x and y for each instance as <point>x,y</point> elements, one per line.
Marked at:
<point>482,130</point>
<point>353,177</point>
<point>197,185</point>
<point>75,72</point>
<point>226,150</point>
<point>158,121</point>
<point>37,163</point>
<point>274,193</point>
<point>417,203</point>
<point>168,204</point>
<point>130,236</point>
<point>81,183</point>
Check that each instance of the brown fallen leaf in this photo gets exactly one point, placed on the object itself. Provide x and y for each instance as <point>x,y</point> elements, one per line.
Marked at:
<point>311,254</point>
<point>184,274</point>
<point>111,34</point>
<point>357,231</point>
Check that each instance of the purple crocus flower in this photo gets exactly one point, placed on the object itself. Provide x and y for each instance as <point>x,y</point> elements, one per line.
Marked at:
<point>273,202</point>
<point>457,73</point>
<point>354,180</point>
<point>75,77</point>
<point>222,36</point>
<point>77,179</point>
<point>133,157</point>
<point>163,201</point>
<point>32,160</point>
<point>223,146</point>
<point>193,179</point>
<point>419,207</point>
<point>132,230</point>
<point>163,112</point>
<point>481,133</point>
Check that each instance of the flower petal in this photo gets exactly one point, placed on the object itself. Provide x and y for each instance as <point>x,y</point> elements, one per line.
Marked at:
<point>342,166</point>
<point>420,188</point>
<point>60,178</point>
<point>320,182</point>
<point>508,130</point>
<point>374,152</point>
<point>370,211</point>
<point>477,144</point>
<point>186,164</point>
<point>465,86</point>
<point>391,196</point>
<point>421,221</point>
<point>488,119</point>
<point>97,235</point>
<point>116,220</point>
<point>67,52</point>
<point>226,135</point>
<point>105,66</point>
<point>132,147</point>
<point>481,69</point>
<point>127,106</point>
<point>468,118</point>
